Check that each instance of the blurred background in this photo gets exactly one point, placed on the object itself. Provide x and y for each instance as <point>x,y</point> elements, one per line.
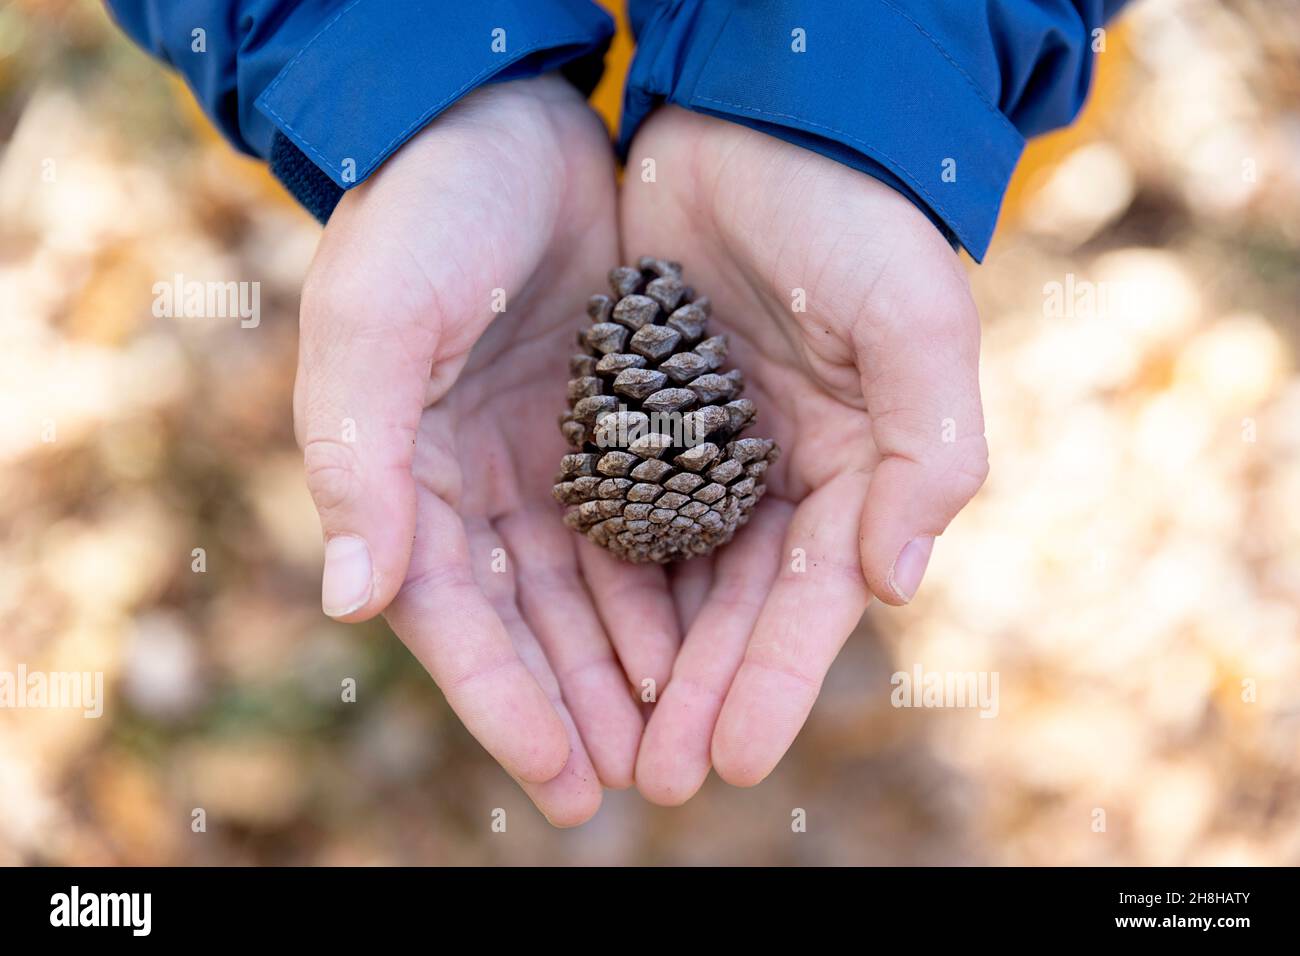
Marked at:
<point>1129,572</point>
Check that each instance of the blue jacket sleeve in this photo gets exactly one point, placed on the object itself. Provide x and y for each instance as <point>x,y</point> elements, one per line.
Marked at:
<point>326,90</point>
<point>934,97</point>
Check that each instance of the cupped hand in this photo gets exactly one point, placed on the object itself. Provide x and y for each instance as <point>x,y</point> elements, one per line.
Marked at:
<point>437,320</point>
<point>852,321</point>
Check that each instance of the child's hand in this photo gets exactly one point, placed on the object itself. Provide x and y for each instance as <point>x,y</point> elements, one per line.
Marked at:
<point>428,423</point>
<point>872,392</point>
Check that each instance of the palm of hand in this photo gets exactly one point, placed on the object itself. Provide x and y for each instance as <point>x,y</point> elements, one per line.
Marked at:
<point>839,299</point>
<point>484,461</point>
<point>463,264</point>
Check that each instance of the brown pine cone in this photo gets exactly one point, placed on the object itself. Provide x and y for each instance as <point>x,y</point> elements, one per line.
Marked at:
<point>659,472</point>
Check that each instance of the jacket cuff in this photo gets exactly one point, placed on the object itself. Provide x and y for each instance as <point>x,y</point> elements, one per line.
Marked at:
<point>303,179</point>
<point>873,90</point>
<point>379,71</point>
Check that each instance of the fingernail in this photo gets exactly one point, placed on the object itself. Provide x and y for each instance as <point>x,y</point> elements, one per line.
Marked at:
<point>349,576</point>
<point>909,567</point>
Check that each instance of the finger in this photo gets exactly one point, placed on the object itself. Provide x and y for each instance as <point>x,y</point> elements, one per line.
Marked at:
<point>558,610</point>
<point>690,583</point>
<point>357,442</point>
<point>920,378</point>
<point>636,607</point>
<point>572,796</point>
<point>675,751</point>
<point>445,619</point>
<point>813,606</point>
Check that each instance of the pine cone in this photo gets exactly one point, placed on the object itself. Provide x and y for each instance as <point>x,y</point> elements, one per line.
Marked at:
<point>658,472</point>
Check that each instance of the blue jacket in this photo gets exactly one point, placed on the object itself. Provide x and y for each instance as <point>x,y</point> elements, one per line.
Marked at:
<point>935,97</point>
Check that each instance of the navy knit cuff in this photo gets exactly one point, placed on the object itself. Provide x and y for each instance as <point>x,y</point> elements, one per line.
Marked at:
<point>304,179</point>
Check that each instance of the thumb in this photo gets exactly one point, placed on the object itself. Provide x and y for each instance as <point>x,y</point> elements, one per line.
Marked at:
<point>920,379</point>
<point>363,371</point>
